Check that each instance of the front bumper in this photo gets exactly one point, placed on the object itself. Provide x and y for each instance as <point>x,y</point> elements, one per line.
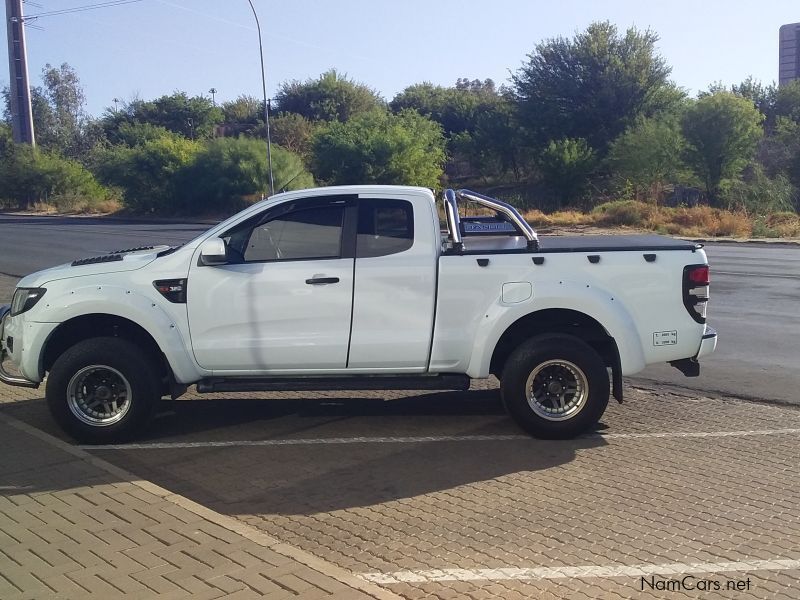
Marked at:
<point>5,376</point>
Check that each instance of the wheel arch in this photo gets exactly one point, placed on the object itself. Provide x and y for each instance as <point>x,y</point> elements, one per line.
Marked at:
<point>83,327</point>
<point>563,321</point>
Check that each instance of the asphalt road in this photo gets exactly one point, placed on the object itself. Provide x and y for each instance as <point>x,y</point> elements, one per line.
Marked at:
<point>755,308</point>
<point>754,305</point>
<point>29,244</point>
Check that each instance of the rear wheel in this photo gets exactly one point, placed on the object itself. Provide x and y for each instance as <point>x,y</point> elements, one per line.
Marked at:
<point>103,390</point>
<point>555,386</point>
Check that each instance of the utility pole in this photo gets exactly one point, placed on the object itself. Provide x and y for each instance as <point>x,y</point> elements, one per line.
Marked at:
<point>266,101</point>
<point>20,89</point>
<point>213,92</point>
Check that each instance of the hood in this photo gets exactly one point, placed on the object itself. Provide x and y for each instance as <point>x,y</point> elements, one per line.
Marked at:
<point>113,262</point>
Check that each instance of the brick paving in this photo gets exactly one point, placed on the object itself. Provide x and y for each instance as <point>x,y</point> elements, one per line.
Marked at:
<point>672,481</point>
<point>72,529</point>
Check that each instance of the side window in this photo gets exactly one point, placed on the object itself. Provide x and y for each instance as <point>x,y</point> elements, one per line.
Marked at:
<point>300,234</point>
<point>384,227</point>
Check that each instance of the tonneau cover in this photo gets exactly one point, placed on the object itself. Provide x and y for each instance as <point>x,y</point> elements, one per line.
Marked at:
<point>613,243</point>
<point>576,243</point>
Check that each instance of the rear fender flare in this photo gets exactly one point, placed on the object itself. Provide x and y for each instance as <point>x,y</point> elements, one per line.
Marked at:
<point>594,302</point>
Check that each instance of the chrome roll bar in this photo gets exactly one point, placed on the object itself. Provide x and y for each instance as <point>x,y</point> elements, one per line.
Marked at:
<point>453,220</point>
<point>451,198</point>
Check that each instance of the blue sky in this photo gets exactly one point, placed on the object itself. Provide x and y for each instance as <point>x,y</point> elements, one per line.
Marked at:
<point>154,47</point>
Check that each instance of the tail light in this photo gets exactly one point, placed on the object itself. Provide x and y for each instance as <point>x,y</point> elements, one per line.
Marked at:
<point>696,280</point>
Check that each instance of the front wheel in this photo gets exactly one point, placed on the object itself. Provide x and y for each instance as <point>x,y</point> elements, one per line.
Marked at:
<point>102,390</point>
<point>555,386</point>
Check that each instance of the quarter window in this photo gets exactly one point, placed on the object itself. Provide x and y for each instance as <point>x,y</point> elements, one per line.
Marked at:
<point>384,227</point>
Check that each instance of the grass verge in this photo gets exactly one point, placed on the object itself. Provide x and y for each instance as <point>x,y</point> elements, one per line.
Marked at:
<point>699,221</point>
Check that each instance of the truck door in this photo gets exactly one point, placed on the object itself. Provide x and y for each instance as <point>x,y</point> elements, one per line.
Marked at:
<point>395,286</point>
<point>284,300</point>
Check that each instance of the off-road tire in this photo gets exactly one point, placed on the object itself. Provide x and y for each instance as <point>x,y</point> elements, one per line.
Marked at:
<point>138,370</point>
<point>537,351</point>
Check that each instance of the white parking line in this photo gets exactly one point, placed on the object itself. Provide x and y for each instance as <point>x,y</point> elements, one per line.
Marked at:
<point>425,439</point>
<point>602,571</point>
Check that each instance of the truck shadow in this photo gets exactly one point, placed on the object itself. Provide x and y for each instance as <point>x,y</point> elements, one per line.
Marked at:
<point>309,478</point>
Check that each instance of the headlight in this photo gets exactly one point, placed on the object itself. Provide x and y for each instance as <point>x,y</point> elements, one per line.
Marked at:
<point>25,299</point>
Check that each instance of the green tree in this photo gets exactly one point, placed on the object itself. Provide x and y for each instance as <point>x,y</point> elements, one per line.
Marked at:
<point>495,145</point>
<point>193,117</point>
<point>5,138</point>
<point>649,155</point>
<point>380,147</point>
<point>229,172</point>
<point>60,121</point>
<point>147,172</point>
<point>29,175</point>
<point>293,132</point>
<point>787,101</point>
<point>456,109</point>
<point>331,97</point>
<point>478,120</point>
<point>565,166</point>
<point>63,91</point>
<point>592,86</point>
<point>245,109</point>
<point>723,131</point>
<point>780,151</point>
<point>756,193</point>
<point>762,96</point>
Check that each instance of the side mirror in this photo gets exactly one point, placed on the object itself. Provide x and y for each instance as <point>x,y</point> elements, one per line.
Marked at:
<point>213,252</point>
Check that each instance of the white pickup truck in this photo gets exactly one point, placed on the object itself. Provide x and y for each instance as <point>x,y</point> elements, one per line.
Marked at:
<point>359,287</point>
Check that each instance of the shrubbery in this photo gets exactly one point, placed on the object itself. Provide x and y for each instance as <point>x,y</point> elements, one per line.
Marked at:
<point>30,176</point>
<point>168,174</point>
<point>228,172</point>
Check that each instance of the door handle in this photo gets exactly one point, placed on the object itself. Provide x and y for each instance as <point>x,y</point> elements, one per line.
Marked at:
<point>322,280</point>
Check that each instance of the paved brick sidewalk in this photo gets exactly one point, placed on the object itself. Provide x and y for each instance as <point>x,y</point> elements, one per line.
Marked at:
<point>73,526</point>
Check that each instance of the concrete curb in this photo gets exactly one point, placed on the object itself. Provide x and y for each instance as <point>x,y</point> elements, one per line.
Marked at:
<point>246,531</point>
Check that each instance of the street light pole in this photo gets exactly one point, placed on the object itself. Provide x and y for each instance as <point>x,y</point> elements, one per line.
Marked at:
<point>266,102</point>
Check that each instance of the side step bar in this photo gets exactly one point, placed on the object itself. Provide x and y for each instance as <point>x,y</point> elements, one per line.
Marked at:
<point>347,382</point>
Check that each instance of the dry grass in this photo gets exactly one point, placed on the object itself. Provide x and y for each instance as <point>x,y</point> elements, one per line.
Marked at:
<point>699,221</point>
<point>76,205</point>
<point>563,218</point>
<point>783,224</point>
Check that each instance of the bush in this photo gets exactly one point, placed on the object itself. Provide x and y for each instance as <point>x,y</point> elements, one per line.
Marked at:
<point>758,194</point>
<point>565,166</point>
<point>624,212</point>
<point>380,147</point>
<point>781,224</point>
<point>228,172</point>
<point>147,172</point>
<point>31,176</point>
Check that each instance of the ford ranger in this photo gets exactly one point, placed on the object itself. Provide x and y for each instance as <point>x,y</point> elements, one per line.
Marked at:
<point>359,287</point>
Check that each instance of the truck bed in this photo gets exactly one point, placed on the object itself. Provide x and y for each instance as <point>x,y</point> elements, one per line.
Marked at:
<point>577,243</point>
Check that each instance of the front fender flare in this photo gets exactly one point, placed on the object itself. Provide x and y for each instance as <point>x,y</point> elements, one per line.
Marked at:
<point>146,312</point>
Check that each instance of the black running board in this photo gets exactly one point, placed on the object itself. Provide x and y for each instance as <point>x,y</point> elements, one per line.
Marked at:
<point>347,382</point>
